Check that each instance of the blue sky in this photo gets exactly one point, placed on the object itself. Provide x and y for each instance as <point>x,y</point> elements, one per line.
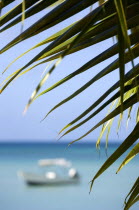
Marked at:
<point>15,126</point>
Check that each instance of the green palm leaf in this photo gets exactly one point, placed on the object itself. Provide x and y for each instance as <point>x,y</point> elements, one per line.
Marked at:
<point>129,141</point>
<point>130,156</point>
<point>109,18</point>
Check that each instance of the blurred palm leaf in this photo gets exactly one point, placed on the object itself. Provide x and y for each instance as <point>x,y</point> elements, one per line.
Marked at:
<point>130,156</point>
<point>132,196</point>
<point>108,19</point>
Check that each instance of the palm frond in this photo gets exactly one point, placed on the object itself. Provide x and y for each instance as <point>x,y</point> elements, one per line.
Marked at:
<point>108,19</point>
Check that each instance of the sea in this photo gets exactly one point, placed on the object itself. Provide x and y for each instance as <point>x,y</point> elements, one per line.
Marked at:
<point>108,192</point>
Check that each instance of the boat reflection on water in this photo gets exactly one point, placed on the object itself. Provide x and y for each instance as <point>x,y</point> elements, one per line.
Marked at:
<point>57,171</point>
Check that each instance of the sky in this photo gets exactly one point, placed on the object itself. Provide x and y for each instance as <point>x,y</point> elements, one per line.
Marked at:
<point>18,127</point>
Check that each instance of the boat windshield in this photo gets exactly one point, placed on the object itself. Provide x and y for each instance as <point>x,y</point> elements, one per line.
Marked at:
<point>54,162</point>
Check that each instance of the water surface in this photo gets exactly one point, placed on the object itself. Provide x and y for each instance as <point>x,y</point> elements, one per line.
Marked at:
<point>108,191</point>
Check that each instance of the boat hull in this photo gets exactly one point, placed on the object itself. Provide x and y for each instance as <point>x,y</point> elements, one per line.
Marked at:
<point>34,179</point>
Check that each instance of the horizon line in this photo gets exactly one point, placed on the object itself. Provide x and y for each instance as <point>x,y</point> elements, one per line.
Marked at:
<point>56,142</point>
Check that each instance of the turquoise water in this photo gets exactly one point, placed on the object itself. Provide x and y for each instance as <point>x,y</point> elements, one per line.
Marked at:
<point>108,192</point>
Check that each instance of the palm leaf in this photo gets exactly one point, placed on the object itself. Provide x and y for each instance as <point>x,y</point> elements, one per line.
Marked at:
<point>109,18</point>
<point>36,6</point>
<point>134,197</point>
<point>129,102</point>
<point>95,113</point>
<point>129,141</point>
<point>128,76</point>
<point>101,74</point>
<point>130,156</point>
<point>6,2</point>
<point>52,18</point>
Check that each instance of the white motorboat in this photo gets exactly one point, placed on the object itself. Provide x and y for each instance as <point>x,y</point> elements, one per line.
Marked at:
<point>57,171</point>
